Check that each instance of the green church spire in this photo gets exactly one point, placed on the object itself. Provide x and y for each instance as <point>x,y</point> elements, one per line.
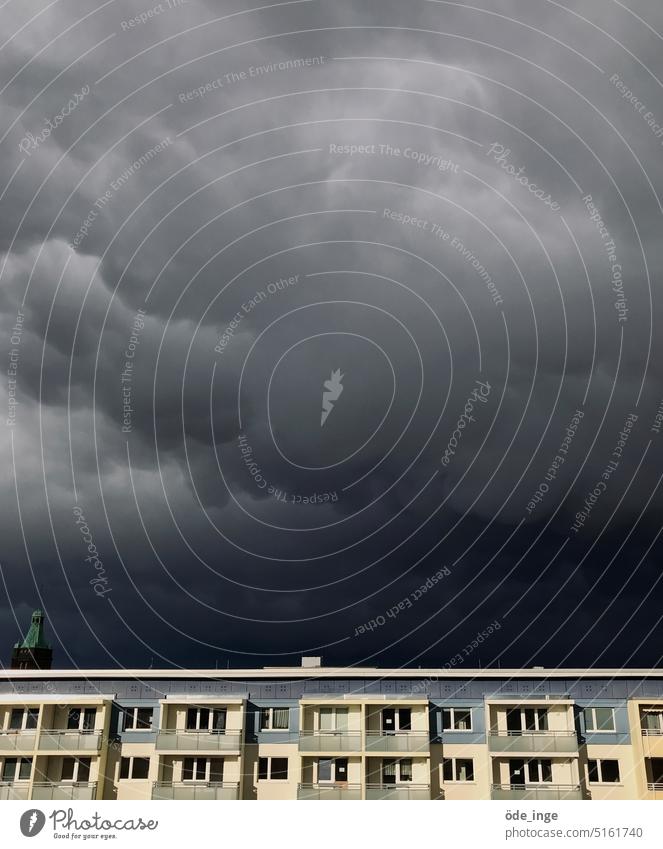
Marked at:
<point>35,639</point>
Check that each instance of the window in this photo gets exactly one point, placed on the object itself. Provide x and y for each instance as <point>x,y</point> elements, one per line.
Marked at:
<point>332,769</point>
<point>538,771</point>
<point>651,722</point>
<point>333,719</point>
<point>134,767</point>
<point>603,771</point>
<point>274,719</point>
<point>457,769</point>
<point>78,720</point>
<point>206,719</point>
<point>202,769</point>
<point>16,769</point>
<point>396,720</point>
<point>599,719</point>
<point>524,720</point>
<point>24,719</point>
<point>75,769</point>
<point>137,719</point>
<point>456,719</point>
<point>273,769</point>
<point>396,771</point>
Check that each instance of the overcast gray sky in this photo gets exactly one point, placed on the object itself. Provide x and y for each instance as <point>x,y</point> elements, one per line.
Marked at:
<point>437,224</point>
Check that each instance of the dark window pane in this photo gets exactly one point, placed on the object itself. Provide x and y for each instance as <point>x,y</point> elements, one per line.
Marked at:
<point>128,719</point>
<point>141,768</point>
<point>73,718</point>
<point>546,771</point>
<point>25,768</point>
<point>406,769</point>
<point>404,719</point>
<point>605,719</point>
<point>219,720</point>
<point>67,769</point>
<point>279,768</point>
<point>462,720</point>
<point>32,718</point>
<point>144,719</point>
<point>89,717</point>
<point>9,769</point>
<point>610,771</point>
<point>447,769</point>
<point>204,718</point>
<point>187,769</point>
<point>593,771</point>
<point>191,718</point>
<point>83,770</point>
<point>216,769</point>
<point>16,721</point>
<point>543,719</point>
<point>264,718</point>
<point>124,768</point>
<point>446,719</point>
<point>465,769</point>
<point>262,768</point>
<point>529,719</point>
<point>324,769</point>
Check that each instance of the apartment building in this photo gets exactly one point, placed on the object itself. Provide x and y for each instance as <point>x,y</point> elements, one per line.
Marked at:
<point>318,733</point>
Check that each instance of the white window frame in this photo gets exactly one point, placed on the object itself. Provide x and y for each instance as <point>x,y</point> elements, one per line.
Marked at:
<point>398,771</point>
<point>81,716</point>
<point>334,715</point>
<point>539,770</point>
<point>126,711</point>
<point>77,763</point>
<point>453,729</point>
<point>595,730</point>
<point>24,719</point>
<point>210,719</point>
<point>454,771</point>
<point>269,759</point>
<point>270,724</point>
<point>657,712</point>
<point>208,768</point>
<point>599,769</point>
<point>17,768</point>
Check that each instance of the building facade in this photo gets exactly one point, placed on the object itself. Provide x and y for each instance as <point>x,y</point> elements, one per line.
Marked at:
<point>320,733</point>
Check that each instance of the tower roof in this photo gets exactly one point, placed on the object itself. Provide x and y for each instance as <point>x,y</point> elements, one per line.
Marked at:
<point>35,639</point>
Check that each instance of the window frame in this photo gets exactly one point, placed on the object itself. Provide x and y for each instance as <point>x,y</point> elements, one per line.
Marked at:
<point>334,712</point>
<point>26,713</point>
<point>598,762</point>
<point>452,713</point>
<point>130,760</point>
<point>269,712</point>
<point>211,715</point>
<point>134,712</point>
<point>18,763</point>
<point>594,730</point>
<point>76,764</point>
<point>453,764</point>
<point>267,761</point>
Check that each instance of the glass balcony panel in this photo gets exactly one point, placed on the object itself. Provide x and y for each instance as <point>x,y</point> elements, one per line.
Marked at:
<point>540,792</point>
<point>69,741</point>
<point>54,790</point>
<point>195,791</point>
<point>198,741</point>
<point>321,792</point>
<point>398,741</point>
<point>14,790</point>
<point>17,741</point>
<point>329,741</point>
<point>406,791</point>
<point>533,741</point>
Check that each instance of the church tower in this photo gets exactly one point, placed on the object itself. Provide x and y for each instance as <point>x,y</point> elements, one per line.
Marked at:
<point>34,652</point>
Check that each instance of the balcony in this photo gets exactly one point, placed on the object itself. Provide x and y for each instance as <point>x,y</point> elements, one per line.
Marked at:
<point>198,741</point>
<point>398,741</point>
<point>69,741</point>
<point>538,792</point>
<point>329,741</point>
<point>189,791</point>
<point>335,792</point>
<point>655,791</point>
<point>409,792</point>
<point>548,742</point>
<point>57,790</point>
<point>17,741</point>
<point>14,790</point>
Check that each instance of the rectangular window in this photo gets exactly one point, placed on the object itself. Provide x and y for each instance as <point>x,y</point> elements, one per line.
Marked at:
<point>405,769</point>
<point>539,771</point>
<point>603,771</point>
<point>216,770</point>
<point>404,719</point>
<point>73,718</point>
<point>457,769</point>
<point>333,719</point>
<point>31,719</point>
<point>274,769</point>
<point>137,719</point>
<point>456,719</point>
<point>9,769</point>
<point>274,719</point>
<point>204,719</point>
<point>134,767</point>
<point>651,721</point>
<point>16,720</point>
<point>68,767</point>
<point>325,769</point>
<point>24,719</point>
<point>599,719</point>
<point>24,769</point>
<point>89,719</point>
<point>83,774</point>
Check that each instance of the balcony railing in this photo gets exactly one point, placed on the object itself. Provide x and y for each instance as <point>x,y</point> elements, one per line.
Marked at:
<point>320,792</point>
<point>329,741</point>
<point>397,741</point>
<point>14,790</point>
<point>404,791</point>
<point>539,792</point>
<point>195,791</point>
<point>55,790</point>
<point>533,741</point>
<point>198,741</point>
<point>652,732</point>
<point>69,741</point>
<point>17,741</point>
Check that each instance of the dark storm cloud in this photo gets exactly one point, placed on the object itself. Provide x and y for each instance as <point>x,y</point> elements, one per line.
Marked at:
<point>197,183</point>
